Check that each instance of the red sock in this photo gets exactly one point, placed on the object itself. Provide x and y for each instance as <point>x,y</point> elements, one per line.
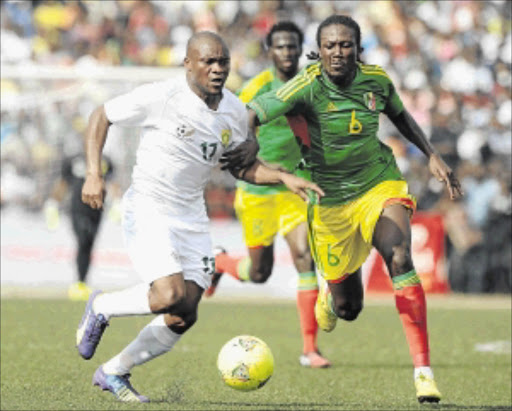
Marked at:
<point>412,308</point>
<point>306,300</point>
<point>236,267</point>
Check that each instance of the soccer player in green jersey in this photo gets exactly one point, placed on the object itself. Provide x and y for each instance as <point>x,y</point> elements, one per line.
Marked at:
<point>265,211</point>
<point>366,202</point>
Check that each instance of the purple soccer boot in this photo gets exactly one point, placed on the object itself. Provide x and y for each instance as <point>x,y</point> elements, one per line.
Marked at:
<point>119,385</point>
<point>90,329</point>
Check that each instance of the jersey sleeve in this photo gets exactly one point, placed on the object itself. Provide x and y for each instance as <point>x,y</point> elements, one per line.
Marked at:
<point>133,108</point>
<point>256,86</point>
<point>394,105</point>
<point>240,129</point>
<point>288,98</point>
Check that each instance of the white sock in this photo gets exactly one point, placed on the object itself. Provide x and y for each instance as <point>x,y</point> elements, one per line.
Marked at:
<point>426,371</point>
<point>130,301</point>
<point>154,339</point>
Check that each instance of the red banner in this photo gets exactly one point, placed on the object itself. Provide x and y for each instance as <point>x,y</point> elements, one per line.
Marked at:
<point>428,255</point>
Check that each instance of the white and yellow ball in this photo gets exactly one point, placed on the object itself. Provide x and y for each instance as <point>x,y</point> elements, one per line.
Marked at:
<point>245,363</point>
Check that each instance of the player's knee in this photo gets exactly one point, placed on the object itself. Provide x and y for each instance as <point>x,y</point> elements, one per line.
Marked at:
<point>401,261</point>
<point>190,319</point>
<point>262,274</point>
<point>183,322</point>
<point>303,260</point>
<point>348,310</point>
<point>260,277</point>
<point>166,300</point>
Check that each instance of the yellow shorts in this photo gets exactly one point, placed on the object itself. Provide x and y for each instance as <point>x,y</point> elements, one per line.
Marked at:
<point>341,236</point>
<point>263,216</point>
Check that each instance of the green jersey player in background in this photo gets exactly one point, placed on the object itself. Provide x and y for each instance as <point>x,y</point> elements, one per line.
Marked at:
<point>366,202</point>
<point>265,211</point>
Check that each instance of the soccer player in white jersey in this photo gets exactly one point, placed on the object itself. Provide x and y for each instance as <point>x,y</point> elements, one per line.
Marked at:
<point>187,125</point>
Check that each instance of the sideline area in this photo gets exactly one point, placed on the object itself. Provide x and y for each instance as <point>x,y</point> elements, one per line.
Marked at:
<point>38,263</point>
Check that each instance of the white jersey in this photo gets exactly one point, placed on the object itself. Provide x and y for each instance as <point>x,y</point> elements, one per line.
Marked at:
<point>181,141</point>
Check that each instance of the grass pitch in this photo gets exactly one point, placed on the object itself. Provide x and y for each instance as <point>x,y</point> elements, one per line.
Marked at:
<point>41,369</point>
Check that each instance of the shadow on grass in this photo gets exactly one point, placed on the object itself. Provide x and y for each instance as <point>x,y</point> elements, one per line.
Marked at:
<point>173,394</point>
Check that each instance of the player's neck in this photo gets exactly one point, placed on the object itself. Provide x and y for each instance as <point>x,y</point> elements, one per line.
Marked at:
<point>284,77</point>
<point>343,81</point>
<point>211,100</point>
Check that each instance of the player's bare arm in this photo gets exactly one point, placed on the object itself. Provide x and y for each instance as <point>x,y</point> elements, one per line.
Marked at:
<point>96,134</point>
<point>259,173</point>
<point>245,154</point>
<point>406,124</point>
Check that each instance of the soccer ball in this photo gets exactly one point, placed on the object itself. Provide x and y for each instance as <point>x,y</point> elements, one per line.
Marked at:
<point>245,363</point>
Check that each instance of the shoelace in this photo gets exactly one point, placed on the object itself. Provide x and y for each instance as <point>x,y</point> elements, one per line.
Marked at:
<point>126,383</point>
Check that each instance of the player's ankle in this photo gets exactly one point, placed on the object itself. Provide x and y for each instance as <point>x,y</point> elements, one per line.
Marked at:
<point>425,370</point>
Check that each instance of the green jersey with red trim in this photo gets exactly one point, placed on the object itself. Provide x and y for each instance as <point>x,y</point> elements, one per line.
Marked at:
<point>345,156</point>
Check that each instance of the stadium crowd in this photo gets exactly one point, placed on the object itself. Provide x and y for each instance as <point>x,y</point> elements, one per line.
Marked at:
<point>450,60</point>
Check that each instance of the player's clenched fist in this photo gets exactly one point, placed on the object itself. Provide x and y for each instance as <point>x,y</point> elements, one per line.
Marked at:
<point>93,191</point>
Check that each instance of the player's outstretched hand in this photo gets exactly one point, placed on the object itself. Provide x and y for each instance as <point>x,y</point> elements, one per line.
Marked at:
<point>93,191</point>
<point>444,173</point>
<point>240,157</point>
<point>300,186</point>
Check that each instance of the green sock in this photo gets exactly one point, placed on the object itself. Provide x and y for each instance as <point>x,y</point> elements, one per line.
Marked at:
<point>243,268</point>
<point>307,281</point>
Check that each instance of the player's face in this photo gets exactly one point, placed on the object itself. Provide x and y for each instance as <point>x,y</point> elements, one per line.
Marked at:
<point>208,65</point>
<point>285,52</point>
<point>338,51</point>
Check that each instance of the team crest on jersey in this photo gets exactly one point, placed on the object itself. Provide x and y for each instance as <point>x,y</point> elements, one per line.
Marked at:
<point>369,100</point>
<point>331,106</point>
<point>184,131</point>
<point>225,136</point>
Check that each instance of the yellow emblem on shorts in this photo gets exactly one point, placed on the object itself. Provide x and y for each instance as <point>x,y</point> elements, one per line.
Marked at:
<point>225,135</point>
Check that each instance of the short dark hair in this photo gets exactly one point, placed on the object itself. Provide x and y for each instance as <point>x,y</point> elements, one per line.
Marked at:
<point>289,26</point>
<point>345,21</point>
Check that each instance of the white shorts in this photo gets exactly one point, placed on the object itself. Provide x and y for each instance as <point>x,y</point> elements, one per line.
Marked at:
<point>159,248</point>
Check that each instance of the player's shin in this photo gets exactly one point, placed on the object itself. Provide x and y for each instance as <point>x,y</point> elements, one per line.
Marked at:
<point>154,340</point>
<point>130,301</point>
<point>238,268</point>
<point>411,304</point>
<point>307,292</point>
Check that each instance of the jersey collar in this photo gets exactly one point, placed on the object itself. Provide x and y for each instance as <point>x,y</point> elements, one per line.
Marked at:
<point>333,86</point>
<point>200,102</point>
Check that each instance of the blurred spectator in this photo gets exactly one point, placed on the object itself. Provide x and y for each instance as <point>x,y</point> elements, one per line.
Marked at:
<point>481,186</point>
<point>467,259</point>
<point>17,186</point>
